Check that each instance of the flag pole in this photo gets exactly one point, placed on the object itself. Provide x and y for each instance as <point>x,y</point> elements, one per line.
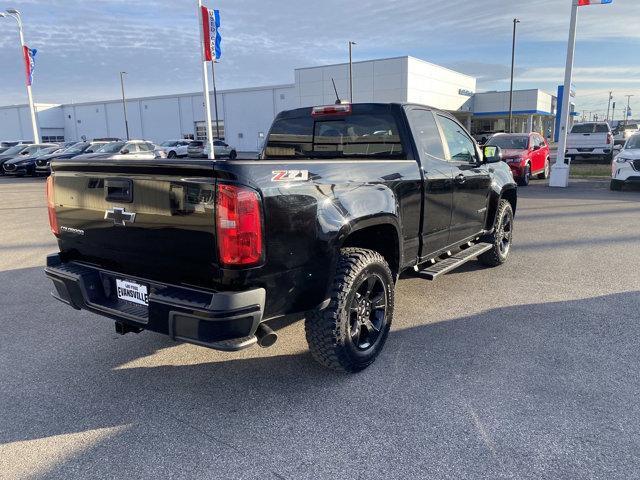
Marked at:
<point>215,97</point>
<point>205,84</point>
<point>560,170</point>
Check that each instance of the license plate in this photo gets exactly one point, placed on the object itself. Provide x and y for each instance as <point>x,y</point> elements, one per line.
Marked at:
<point>132,292</point>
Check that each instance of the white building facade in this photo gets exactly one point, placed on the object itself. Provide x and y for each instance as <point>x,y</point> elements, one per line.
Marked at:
<point>244,115</point>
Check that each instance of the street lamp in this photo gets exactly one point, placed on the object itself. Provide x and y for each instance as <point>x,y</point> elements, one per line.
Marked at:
<point>124,103</point>
<point>351,44</point>
<point>15,14</point>
<point>513,59</point>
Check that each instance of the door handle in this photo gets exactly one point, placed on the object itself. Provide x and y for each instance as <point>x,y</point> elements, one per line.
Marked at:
<point>460,179</point>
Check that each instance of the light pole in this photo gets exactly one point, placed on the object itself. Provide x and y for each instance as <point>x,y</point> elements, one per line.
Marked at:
<point>609,104</point>
<point>351,44</point>
<point>626,114</point>
<point>124,103</point>
<point>513,60</point>
<point>15,14</point>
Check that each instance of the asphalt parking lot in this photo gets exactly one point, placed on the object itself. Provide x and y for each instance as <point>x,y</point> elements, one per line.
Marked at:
<point>529,370</point>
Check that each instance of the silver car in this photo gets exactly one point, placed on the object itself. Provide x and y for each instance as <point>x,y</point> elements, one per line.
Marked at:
<point>200,149</point>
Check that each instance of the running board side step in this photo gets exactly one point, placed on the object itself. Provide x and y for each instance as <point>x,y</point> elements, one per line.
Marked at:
<point>451,263</point>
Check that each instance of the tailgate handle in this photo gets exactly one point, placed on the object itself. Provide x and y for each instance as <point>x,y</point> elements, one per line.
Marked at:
<point>118,190</point>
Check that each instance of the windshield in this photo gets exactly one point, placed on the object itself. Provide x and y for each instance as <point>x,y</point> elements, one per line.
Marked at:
<point>633,143</point>
<point>46,151</point>
<point>360,135</point>
<point>508,142</point>
<point>14,150</point>
<point>114,147</point>
<point>169,144</point>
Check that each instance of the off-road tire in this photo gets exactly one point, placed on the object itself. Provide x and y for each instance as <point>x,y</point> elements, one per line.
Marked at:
<point>498,254</point>
<point>328,331</point>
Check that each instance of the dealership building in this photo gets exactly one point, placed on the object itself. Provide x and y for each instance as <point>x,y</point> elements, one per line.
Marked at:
<point>245,114</point>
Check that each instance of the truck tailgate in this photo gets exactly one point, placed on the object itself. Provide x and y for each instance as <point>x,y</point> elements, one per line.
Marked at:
<point>140,217</point>
<point>586,140</point>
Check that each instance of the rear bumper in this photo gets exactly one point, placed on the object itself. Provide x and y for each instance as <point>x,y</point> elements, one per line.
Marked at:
<point>590,151</point>
<point>220,320</point>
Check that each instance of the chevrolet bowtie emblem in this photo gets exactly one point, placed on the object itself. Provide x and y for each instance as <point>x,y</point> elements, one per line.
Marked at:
<point>119,216</point>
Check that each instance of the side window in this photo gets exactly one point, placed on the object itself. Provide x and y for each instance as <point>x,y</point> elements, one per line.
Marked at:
<point>426,132</point>
<point>132,147</point>
<point>461,147</point>
<point>150,146</point>
<point>143,147</point>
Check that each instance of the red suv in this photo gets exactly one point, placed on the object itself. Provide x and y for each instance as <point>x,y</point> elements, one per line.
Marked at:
<point>526,154</point>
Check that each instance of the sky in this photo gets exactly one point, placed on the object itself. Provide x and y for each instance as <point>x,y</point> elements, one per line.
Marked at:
<point>83,45</point>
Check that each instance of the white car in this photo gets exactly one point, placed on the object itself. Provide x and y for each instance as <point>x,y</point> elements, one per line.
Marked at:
<point>131,149</point>
<point>625,168</point>
<point>174,148</point>
<point>591,139</point>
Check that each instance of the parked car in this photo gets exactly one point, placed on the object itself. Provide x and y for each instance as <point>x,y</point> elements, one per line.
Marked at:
<point>200,149</point>
<point>526,154</point>
<point>625,168</point>
<point>342,200</point>
<point>174,148</point>
<point>590,140</point>
<point>623,133</point>
<point>26,165</point>
<point>22,150</point>
<point>43,162</point>
<point>129,150</point>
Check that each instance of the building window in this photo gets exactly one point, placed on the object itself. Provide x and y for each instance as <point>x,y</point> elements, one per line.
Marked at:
<point>52,139</point>
<point>201,130</point>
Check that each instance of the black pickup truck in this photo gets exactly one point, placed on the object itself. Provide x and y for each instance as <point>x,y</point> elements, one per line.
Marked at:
<point>342,200</point>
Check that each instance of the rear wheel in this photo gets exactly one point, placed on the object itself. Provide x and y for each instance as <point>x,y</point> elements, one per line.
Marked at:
<point>547,168</point>
<point>349,334</point>
<point>172,154</point>
<point>233,155</point>
<point>501,237</point>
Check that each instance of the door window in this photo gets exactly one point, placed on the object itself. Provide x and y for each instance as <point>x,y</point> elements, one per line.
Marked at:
<point>132,147</point>
<point>426,133</point>
<point>460,146</point>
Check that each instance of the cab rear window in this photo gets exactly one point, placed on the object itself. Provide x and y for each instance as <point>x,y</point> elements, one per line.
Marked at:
<point>350,136</point>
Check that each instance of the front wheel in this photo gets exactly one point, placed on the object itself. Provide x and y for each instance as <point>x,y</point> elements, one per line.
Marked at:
<point>172,154</point>
<point>349,334</point>
<point>233,155</point>
<point>523,181</point>
<point>501,237</point>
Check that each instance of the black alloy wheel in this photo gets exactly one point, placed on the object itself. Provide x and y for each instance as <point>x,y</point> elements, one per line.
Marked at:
<point>367,313</point>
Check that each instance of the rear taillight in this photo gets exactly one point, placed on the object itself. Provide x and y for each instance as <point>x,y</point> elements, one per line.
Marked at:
<point>339,109</point>
<point>53,219</point>
<point>239,225</point>
<point>609,139</point>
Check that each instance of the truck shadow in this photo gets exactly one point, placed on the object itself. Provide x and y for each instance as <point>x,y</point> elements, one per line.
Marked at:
<point>479,394</point>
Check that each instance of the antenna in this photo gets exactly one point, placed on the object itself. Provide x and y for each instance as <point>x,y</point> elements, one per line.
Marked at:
<point>338,101</point>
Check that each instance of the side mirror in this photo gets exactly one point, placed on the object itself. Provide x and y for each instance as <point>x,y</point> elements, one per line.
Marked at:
<point>536,147</point>
<point>492,154</point>
<point>124,151</point>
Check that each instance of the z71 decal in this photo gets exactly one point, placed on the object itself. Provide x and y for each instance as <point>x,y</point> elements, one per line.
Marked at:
<point>290,175</point>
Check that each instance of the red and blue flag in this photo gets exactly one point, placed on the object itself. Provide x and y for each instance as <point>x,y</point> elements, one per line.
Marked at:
<point>583,3</point>
<point>29,63</point>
